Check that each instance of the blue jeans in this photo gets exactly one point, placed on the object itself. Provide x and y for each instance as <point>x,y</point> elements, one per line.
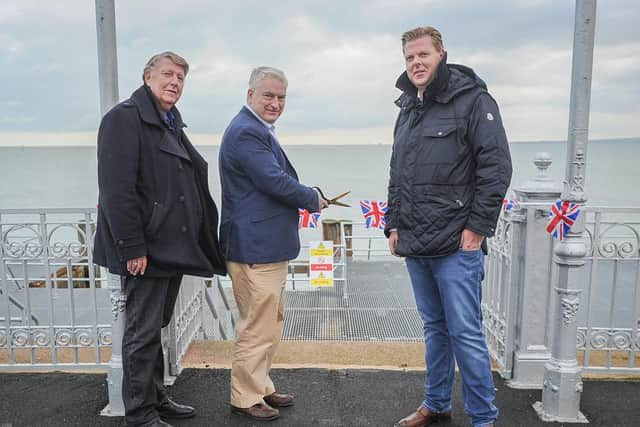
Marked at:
<point>448,294</point>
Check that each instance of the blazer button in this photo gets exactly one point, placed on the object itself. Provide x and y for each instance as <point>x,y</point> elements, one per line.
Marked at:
<point>181,198</point>
<point>184,228</point>
<point>180,166</point>
<point>121,242</point>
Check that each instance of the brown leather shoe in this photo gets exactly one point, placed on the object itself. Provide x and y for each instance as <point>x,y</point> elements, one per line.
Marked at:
<point>259,411</point>
<point>279,400</point>
<point>423,417</point>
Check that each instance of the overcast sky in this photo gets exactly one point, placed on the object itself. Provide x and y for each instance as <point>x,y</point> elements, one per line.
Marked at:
<point>341,57</point>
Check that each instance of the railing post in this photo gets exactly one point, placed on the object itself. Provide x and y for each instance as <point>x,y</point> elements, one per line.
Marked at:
<point>532,347</point>
<point>115,407</point>
<point>562,384</point>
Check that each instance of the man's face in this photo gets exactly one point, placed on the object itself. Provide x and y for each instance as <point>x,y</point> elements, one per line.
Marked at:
<point>166,81</point>
<point>267,100</point>
<point>421,60</point>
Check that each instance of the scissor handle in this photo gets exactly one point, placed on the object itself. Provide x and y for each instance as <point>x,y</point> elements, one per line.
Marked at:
<point>321,193</point>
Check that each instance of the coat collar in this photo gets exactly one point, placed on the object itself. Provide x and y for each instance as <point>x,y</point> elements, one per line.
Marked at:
<point>437,85</point>
<point>449,81</point>
<point>149,110</point>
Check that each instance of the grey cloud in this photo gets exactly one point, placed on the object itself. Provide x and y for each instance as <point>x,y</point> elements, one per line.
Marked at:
<point>342,58</point>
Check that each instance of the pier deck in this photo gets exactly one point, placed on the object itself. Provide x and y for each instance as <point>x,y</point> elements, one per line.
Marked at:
<point>337,398</point>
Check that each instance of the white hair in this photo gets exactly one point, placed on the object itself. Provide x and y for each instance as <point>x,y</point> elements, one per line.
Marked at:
<point>259,73</point>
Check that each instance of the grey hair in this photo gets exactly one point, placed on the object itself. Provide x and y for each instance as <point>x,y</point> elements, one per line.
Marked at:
<point>174,57</point>
<point>260,73</point>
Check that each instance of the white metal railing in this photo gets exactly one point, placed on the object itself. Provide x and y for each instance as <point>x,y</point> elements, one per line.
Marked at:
<point>608,317</point>
<point>54,309</point>
<point>499,298</point>
<point>58,311</point>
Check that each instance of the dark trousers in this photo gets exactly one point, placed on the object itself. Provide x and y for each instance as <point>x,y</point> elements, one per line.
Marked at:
<point>150,305</point>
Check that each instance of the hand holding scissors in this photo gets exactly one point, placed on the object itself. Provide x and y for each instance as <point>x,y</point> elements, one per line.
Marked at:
<point>334,201</point>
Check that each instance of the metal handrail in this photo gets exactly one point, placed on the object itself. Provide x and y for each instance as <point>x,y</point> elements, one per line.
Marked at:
<point>17,302</point>
<point>215,314</point>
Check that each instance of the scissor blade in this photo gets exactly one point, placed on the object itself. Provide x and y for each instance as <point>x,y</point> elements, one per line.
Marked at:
<point>333,202</point>
<point>340,196</point>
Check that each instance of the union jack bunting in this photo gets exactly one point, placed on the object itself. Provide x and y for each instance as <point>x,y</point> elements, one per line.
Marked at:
<point>508,205</point>
<point>562,216</point>
<point>307,219</point>
<point>373,213</point>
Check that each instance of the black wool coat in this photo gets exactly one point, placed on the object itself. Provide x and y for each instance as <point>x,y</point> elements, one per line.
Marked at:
<point>154,198</point>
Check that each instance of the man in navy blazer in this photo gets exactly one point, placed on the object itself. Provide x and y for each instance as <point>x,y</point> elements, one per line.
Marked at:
<point>261,195</point>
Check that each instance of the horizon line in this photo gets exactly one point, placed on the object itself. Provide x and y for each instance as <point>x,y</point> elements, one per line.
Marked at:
<point>328,137</point>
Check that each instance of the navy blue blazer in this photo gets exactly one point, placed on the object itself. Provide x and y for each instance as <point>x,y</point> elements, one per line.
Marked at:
<point>261,195</point>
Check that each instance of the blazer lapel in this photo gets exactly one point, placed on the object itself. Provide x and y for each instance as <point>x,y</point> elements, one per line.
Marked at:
<point>287,164</point>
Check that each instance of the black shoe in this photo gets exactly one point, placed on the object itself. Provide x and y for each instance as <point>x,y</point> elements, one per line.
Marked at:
<point>173,410</point>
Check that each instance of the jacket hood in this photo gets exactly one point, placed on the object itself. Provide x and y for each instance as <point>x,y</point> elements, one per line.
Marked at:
<point>449,81</point>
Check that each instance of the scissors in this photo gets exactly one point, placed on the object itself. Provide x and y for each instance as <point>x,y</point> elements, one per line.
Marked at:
<point>334,201</point>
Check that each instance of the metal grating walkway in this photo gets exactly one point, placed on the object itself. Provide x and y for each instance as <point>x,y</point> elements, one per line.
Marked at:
<point>379,307</point>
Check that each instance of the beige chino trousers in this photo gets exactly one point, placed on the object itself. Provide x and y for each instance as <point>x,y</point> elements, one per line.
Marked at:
<point>259,294</point>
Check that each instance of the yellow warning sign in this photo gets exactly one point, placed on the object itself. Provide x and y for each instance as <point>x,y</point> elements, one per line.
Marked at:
<point>321,250</point>
<point>321,263</point>
<point>321,280</point>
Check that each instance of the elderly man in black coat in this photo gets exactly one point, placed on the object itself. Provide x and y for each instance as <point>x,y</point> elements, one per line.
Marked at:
<point>156,222</point>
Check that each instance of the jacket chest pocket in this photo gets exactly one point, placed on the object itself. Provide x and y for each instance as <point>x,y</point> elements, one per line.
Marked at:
<point>438,151</point>
<point>440,144</point>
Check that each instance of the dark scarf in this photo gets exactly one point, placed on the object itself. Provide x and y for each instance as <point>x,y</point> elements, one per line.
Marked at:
<point>437,85</point>
<point>172,118</point>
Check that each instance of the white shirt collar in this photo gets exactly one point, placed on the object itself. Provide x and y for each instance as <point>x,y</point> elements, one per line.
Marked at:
<point>269,126</point>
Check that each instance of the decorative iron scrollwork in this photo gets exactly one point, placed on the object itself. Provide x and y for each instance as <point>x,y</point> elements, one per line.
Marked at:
<point>118,304</point>
<point>41,338</point>
<point>570,308</point>
<point>20,338</point>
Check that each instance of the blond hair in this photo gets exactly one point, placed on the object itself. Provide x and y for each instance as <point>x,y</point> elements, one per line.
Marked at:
<point>416,33</point>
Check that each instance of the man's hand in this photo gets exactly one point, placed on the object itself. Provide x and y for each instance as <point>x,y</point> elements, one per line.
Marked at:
<point>470,240</point>
<point>137,266</point>
<point>393,242</point>
<point>322,203</point>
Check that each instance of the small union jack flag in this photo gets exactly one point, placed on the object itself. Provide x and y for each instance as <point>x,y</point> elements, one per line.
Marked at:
<point>307,219</point>
<point>373,212</point>
<point>508,205</point>
<point>562,216</point>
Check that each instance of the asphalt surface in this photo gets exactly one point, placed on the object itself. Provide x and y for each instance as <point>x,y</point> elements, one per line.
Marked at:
<point>323,398</point>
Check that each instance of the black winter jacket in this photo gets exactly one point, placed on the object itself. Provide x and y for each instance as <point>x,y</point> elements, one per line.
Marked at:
<point>154,197</point>
<point>450,166</point>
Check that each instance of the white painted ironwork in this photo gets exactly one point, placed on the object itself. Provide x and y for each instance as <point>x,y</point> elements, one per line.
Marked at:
<point>499,303</point>
<point>53,302</point>
<point>608,338</point>
<point>562,385</point>
<point>59,311</point>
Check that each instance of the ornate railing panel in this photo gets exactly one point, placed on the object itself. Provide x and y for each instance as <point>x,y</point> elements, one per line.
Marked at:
<point>186,324</point>
<point>499,297</point>
<point>54,310</point>
<point>609,315</point>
